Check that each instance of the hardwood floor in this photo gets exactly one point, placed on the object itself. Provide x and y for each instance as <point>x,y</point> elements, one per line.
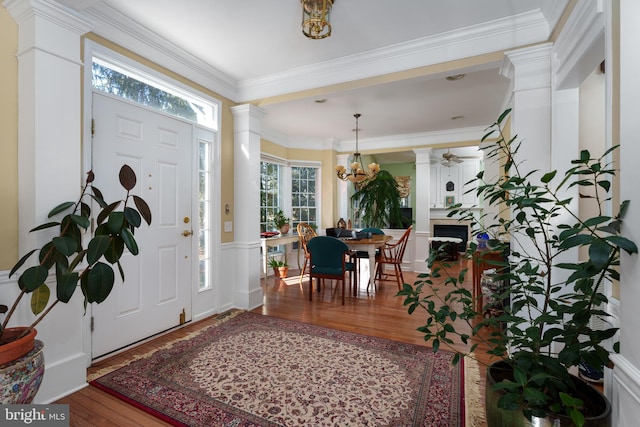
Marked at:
<point>378,313</point>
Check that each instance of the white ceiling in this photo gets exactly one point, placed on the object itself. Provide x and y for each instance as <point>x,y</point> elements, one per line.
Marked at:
<point>256,50</point>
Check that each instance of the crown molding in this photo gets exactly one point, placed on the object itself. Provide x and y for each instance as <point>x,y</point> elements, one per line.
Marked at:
<point>501,34</point>
<point>122,30</point>
<point>581,46</point>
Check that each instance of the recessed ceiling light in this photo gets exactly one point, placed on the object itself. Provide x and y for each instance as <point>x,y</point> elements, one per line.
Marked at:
<point>455,77</point>
<point>457,117</point>
<point>320,101</point>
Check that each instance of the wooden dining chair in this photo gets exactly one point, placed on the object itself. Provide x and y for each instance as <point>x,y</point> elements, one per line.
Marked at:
<point>392,253</point>
<point>329,261</point>
<point>305,233</point>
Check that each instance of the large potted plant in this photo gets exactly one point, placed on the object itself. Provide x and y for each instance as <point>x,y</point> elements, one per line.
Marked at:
<point>378,201</point>
<point>72,264</point>
<point>549,299</point>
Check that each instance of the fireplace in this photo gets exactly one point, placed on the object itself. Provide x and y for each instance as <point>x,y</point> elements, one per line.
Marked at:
<point>451,230</point>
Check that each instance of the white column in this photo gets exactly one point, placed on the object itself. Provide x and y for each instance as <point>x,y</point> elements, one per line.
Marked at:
<point>49,162</point>
<point>423,212</point>
<point>246,140</point>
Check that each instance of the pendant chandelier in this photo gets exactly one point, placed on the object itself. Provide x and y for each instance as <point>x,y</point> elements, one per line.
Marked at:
<point>357,175</point>
<point>315,18</point>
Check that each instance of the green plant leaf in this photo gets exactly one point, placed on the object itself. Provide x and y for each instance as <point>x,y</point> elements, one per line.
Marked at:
<point>546,178</point>
<point>67,246</point>
<point>115,223</point>
<point>99,283</point>
<point>130,241</point>
<point>66,286</point>
<point>132,216</point>
<point>21,262</point>
<point>115,249</point>
<point>45,226</point>
<point>623,243</point>
<point>81,221</point>
<point>33,278</point>
<point>96,248</point>
<point>40,299</point>
<point>60,208</point>
<point>599,253</point>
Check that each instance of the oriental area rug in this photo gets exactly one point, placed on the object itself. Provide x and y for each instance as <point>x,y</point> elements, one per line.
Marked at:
<point>255,370</point>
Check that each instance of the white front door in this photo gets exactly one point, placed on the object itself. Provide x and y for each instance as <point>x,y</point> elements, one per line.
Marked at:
<point>158,281</point>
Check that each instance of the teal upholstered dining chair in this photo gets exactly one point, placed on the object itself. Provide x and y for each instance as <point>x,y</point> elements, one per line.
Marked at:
<point>328,261</point>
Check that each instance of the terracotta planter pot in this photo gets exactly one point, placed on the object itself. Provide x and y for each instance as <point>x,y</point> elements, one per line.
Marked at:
<point>595,402</point>
<point>12,348</point>
<point>282,272</point>
<point>284,229</point>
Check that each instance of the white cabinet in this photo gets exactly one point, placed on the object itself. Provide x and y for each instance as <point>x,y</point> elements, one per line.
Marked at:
<point>448,184</point>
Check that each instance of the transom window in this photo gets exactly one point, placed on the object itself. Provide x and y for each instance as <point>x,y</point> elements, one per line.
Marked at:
<point>109,77</point>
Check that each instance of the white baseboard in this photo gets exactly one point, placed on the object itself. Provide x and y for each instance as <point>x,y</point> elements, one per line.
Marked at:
<point>62,378</point>
<point>625,397</point>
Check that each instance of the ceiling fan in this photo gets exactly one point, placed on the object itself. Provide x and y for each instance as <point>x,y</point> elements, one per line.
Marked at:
<point>448,159</point>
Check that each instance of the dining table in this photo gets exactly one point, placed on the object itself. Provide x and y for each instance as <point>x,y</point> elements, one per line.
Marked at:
<point>370,245</point>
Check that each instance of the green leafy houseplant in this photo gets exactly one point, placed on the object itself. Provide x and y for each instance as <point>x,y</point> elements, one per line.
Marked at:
<point>74,264</point>
<point>280,219</point>
<point>378,200</point>
<point>546,328</point>
<point>275,263</point>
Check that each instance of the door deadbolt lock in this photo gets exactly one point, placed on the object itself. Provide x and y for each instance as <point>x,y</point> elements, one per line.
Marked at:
<point>186,220</point>
<point>187,233</point>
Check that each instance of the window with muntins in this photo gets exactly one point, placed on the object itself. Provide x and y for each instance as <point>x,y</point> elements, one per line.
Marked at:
<point>270,194</point>
<point>303,195</point>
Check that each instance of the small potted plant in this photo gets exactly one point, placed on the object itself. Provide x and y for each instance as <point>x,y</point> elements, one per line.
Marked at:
<point>281,221</point>
<point>280,267</point>
<point>549,295</point>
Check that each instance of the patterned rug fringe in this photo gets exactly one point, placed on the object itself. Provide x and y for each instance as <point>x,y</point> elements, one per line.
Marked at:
<point>223,317</point>
<point>474,400</point>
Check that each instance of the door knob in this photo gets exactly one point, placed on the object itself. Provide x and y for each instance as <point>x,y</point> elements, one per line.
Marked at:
<point>187,233</point>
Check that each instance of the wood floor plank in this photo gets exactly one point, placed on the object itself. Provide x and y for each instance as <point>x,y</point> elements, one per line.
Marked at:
<point>377,313</point>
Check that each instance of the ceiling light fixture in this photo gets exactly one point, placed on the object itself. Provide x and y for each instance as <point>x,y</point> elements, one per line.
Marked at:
<point>455,77</point>
<point>315,18</point>
<point>357,175</point>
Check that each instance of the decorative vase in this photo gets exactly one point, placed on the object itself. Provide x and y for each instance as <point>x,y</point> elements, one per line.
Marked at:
<point>13,347</point>
<point>342,223</point>
<point>284,229</point>
<point>21,378</point>
<point>594,401</point>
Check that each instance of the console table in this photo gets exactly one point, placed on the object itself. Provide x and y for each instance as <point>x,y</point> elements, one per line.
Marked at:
<point>484,260</point>
<point>266,242</point>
